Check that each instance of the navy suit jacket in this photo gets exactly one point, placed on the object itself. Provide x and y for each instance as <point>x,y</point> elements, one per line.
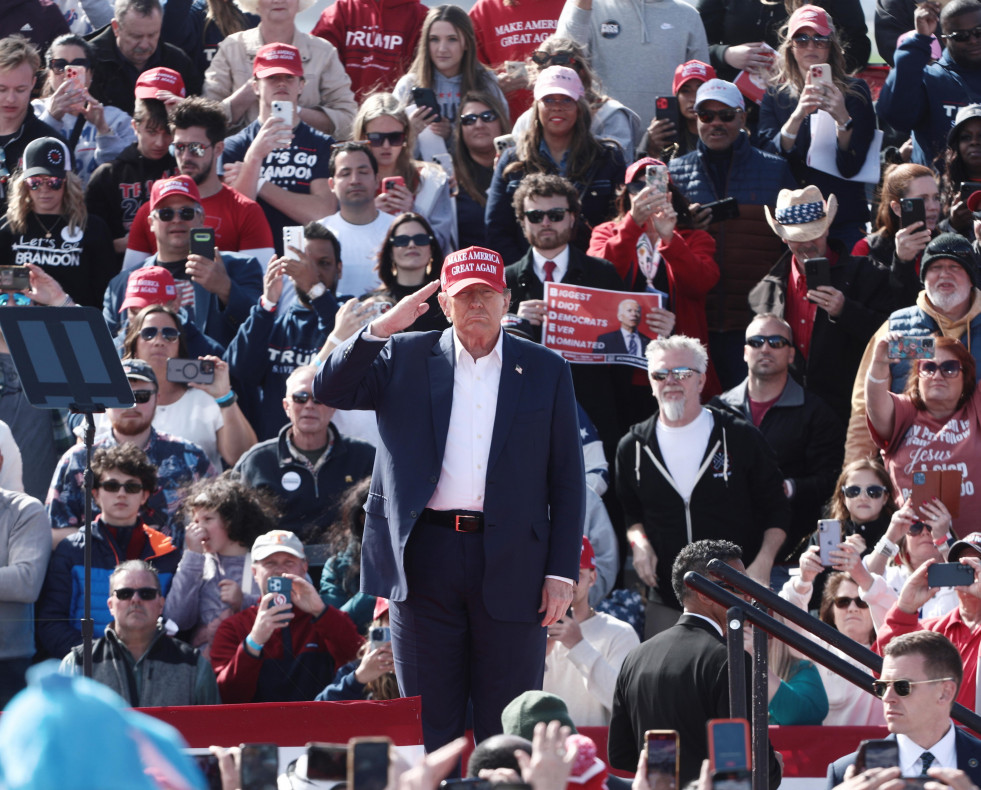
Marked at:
<point>968,750</point>
<point>613,343</point>
<point>534,500</point>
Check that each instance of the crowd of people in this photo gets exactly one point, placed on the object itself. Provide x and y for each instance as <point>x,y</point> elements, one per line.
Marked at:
<point>356,468</point>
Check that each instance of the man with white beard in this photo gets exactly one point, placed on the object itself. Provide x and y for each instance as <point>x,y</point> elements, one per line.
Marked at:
<point>948,305</point>
<point>693,472</point>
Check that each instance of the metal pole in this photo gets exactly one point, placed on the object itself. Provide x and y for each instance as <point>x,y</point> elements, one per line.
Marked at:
<point>761,713</point>
<point>737,663</point>
<point>88,626</point>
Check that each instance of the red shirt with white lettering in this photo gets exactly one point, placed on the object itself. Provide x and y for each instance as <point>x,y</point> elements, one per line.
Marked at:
<point>919,442</point>
<point>513,32</point>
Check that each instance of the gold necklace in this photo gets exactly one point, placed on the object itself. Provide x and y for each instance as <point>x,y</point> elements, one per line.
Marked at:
<point>48,230</point>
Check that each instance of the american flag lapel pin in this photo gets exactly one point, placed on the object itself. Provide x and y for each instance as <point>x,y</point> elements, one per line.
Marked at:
<point>517,369</point>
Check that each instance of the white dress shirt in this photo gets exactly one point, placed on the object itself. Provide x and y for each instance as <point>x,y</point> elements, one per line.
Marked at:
<point>944,752</point>
<point>561,262</point>
<point>463,476</point>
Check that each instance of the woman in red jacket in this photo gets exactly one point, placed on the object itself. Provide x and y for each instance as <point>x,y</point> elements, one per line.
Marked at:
<point>651,252</point>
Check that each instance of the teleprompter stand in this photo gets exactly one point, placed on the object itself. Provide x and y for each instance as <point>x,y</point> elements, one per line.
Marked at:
<point>66,359</point>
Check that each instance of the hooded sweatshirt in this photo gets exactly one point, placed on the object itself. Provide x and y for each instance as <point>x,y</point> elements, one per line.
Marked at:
<point>921,319</point>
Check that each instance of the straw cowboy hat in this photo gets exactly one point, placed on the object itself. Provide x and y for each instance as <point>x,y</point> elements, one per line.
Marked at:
<point>801,214</point>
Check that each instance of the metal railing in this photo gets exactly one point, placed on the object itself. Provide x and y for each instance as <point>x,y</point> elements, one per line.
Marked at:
<point>740,610</point>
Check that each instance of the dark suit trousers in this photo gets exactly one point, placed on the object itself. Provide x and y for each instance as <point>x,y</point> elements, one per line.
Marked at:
<point>447,647</point>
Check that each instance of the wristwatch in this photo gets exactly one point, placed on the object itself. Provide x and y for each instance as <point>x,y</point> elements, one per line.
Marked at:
<point>318,290</point>
<point>846,126</point>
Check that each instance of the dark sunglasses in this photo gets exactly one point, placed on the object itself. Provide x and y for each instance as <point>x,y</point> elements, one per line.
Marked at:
<point>773,341</point>
<point>113,486</point>
<point>819,41</point>
<point>708,116</point>
<point>419,239</point>
<point>962,36</point>
<point>636,187</point>
<point>194,149</point>
<point>543,58</point>
<point>949,369</point>
<point>166,214</point>
<point>58,65</point>
<point>844,601</point>
<point>918,526</point>
<point>145,593</point>
<point>303,397</point>
<point>901,687</point>
<point>169,333</point>
<point>680,374</point>
<point>54,183</point>
<point>378,139</point>
<point>487,116</point>
<point>554,215</point>
<point>143,396</point>
<point>873,492</point>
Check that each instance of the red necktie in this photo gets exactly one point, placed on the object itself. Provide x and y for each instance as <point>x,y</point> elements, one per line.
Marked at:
<point>549,270</point>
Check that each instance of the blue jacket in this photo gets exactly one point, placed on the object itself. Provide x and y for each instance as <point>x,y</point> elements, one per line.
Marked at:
<point>597,196</point>
<point>62,602</point>
<point>268,347</point>
<point>218,322</point>
<point>746,247</point>
<point>924,97</point>
<point>534,503</point>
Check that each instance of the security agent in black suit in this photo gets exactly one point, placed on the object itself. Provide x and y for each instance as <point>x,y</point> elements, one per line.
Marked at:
<point>679,678</point>
<point>921,675</point>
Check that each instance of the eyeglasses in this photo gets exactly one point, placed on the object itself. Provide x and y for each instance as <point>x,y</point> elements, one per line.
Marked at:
<point>708,116</point>
<point>143,396</point>
<point>844,601</point>
<point>487,116</point>
<point>773,341</point>
<point>554,215</point>
<point>54,183</point>
<point>20,300</point>
<point>918,526</point>
<point>542,58</point>
<point>58,65</point>
<point>559,101</point>
<point>419,239</point>
<point>194,149</point>
<point>873,492</point>
<point>680,374</point>
<point>168,333</point>
<point>145,593</point>
<point>802,40</point>
<point>187,213</point>
<point>963,36</point>
<point>901,687</point>
<point>113,486</point>
<point>378,139</point>
<point>303,396</point>
<point>949,369</point>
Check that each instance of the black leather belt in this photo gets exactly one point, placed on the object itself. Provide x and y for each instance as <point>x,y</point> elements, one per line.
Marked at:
<point>459,520</point>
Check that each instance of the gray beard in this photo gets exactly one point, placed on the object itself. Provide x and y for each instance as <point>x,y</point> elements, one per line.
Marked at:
<point>674,410</point>
<point>945,302</point>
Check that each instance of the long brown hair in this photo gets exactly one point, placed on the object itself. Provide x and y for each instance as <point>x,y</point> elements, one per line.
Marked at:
<point>837,507</point>
<point>584,150</point>
<point>386,264</point>
<point>788,78</point>
<point>895,185</point>
<point>474,74</point>
<point>463,163</point>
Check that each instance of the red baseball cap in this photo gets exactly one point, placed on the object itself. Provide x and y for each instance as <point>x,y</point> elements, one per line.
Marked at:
<point>810,16</point>
<point>587,559</point>
<point>640,164</point>
<point>692,70</point>
<point>381,606</point>
<point>274,59</point>
<point>168,187</point>
<point>471,266</point>
<point>150,285</point>
<point>159,79</point>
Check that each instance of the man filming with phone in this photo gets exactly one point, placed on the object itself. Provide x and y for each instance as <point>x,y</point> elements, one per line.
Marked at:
<point>832,301</point>
<point>921,675</point>
<point>217,290</point>
<point>287,647</point>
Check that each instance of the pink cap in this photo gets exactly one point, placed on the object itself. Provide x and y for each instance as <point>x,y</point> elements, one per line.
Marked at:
<point>159,79</point>
<point>274,59</point>
<point>150,285</point>
<point>640,164</point>
<point>558,79</point>
<point>587,559</point>
<point>692,70</point>
<point>810,16</point>
<point>471,266</point>
<point>168,187</point>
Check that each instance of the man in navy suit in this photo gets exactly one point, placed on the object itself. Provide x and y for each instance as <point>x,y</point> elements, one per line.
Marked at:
<point>475,514</point>
<point>626,339</point>
<point>921,674</point>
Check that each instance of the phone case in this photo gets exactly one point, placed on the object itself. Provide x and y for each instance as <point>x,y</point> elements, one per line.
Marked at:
<point>944,484</point>
<point>829,537</point>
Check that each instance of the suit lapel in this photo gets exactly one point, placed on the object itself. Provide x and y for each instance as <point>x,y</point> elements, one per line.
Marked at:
<point>441,388</point>
<point>508,394</point>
